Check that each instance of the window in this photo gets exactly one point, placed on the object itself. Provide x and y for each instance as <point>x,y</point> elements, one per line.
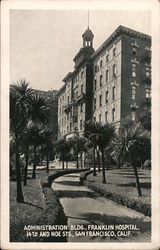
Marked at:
<point>106,116</point>
<point>76,94</point>
<point>81,125</point>
<point>101,64</point>
<point>67,128</point>
<point>113,92</point>
<point>100,80</point>
<point>148,72</point>
<point>95,84</point>
<point>82,89</point>
<point>82,74</point>
<point>134,51</point>
<point>94,104</point>
<point>107,75</point>
<point>100,118</point>
<point>113,114</point>
<point>134,70</point>
<point>70,126</point>
<point>148,93</point>
<point>81,107</point>
<point>107,96</point>
<point>133,115</point>
<point>133,92</point>
<point>100,100</point>
<point>94,118</point>
<point>114,51</point>
<point>114,70</point>
<point>95,68</point>
<point>107,58</point>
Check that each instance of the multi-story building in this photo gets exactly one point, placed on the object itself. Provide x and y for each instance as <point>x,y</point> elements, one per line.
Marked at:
<point>108,84</point>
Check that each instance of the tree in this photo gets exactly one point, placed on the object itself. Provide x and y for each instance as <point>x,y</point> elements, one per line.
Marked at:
<point>26,144</point>
<point>39,116</point>
<point>36,133</point>
<point>47,145</point>
<point>131,142</point>
<point>91,134</point>
<point>100,136</point>
<point>78,144</point>
<point>20,105</point>
<point>106,133</point>
<point>63,148</point>
<point>145,117</point>
<point>39,113</point>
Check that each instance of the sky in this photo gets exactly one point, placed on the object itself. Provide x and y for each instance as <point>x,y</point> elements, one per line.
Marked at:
<point>43,43</point>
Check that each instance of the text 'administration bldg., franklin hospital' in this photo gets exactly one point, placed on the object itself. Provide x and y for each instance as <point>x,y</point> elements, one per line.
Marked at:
<point>108,84</point>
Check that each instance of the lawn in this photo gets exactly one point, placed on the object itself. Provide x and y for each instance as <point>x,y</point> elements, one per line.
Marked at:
<point>122,181</point>
<point>32,210</point>
<point>41,207</point>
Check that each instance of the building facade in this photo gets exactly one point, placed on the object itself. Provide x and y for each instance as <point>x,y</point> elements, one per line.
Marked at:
<point>108,84</point>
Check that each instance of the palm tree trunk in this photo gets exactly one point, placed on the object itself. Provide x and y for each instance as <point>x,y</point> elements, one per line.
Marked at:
<point>11,166</point>
<point>20,198</point>
<point>84,160</point>
<point>34,164</point>
<point>47,163</point>
<point>98,159</point>
<point>103,167</point>
<point>137,181</point>
<point>62,164</point>
<point>81,161</point>
<point>77,161</point>
<point>94,162</point>
<point>26,169</point>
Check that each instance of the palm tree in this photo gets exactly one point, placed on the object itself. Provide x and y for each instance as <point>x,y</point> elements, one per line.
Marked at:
<point>47,145</point>
<point>98,159</point>
<point>63,148</point>
<point>26,144</point>
<point>78,144</point>
<point>20,105</point>
<point>130,142</point>
<point>39,114</point>
<point>36,133</point>
<point>145,117</point>
<point>100,136</point>
<point>105,134</point>
<point>40,111</point>
<point>91,134</point>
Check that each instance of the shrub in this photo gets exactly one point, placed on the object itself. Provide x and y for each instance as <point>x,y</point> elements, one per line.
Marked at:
<point>139,206</point>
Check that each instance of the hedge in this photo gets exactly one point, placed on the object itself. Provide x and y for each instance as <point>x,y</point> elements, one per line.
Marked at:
<point>52,215</point>
<point>84,175</point>
<point>122,200</point>
<point>48,182</point>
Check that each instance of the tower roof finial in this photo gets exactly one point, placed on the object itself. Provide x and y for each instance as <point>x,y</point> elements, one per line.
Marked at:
<point>88,19</point>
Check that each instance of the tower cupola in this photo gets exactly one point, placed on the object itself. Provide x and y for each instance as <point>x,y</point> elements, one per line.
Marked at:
<point>88,38</point>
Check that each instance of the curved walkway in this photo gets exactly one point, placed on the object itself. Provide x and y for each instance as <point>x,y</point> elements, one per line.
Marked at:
<point>83,207</point>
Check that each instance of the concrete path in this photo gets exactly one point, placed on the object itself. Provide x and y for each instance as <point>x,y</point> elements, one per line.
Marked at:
<point>85,209</point>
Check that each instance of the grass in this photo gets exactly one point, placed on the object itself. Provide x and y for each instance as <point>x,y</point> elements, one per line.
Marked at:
<point>41,206</point>
<point>120,187</point>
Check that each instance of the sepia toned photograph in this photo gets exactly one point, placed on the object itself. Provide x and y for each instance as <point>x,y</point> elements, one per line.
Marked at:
<point>80,133</point>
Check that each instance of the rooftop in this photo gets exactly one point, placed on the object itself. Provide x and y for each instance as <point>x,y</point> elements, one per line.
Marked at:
<point>121,30</point>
